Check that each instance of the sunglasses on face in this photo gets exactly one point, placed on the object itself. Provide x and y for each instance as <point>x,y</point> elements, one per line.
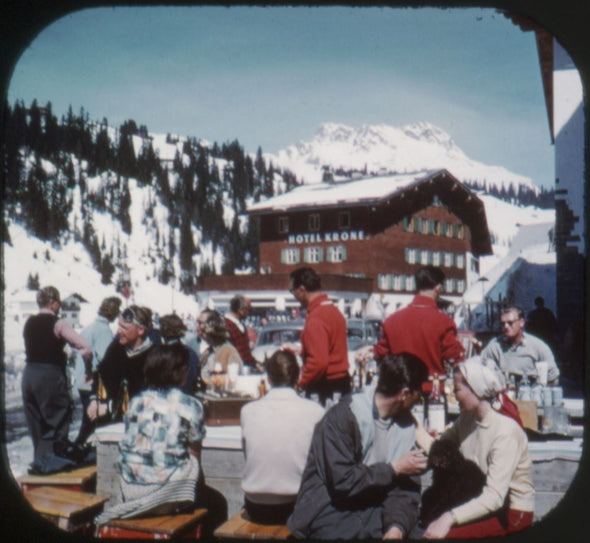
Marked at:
<point>509,323</point>
<point>129,317</point>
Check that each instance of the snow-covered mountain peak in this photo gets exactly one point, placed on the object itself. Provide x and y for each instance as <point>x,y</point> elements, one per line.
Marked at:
<point>384,148</point>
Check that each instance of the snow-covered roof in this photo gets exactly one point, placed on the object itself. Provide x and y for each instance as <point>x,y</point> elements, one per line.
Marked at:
<point>355,192</point>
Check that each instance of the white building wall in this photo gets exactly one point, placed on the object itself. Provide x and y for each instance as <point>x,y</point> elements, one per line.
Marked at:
<point>568,123</point>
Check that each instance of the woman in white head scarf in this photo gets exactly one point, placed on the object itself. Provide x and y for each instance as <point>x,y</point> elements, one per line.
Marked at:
<point>499,446</point>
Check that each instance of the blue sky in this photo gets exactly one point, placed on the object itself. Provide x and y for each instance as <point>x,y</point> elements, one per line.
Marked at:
<point>271,76</point>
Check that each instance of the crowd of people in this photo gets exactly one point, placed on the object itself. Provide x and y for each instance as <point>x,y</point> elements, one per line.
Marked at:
<point>327,461</point>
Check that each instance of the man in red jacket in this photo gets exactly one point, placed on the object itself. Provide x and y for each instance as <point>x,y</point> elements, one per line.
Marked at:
<point>323,341</point>
<point>421,328</point>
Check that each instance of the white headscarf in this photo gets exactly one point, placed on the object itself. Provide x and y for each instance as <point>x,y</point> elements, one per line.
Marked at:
<point>483,376</point>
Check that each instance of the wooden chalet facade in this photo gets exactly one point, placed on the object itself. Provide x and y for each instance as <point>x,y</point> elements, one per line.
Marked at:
<point>379,228</point>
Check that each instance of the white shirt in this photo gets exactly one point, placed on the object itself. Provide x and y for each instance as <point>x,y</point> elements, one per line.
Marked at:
<point>277,431</point>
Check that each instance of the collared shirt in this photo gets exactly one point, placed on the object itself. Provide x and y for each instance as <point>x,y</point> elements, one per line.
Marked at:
<point>423,330</point>
<point>160,426</point>
<point>323,342</point>
<point>63,329</point>
<point>520,358</point>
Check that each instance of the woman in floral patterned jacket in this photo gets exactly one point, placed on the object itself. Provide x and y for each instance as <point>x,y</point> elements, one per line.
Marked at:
<point>159,454</point>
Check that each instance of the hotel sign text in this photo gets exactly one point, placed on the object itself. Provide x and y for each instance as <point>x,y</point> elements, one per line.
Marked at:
<point>326,237</point>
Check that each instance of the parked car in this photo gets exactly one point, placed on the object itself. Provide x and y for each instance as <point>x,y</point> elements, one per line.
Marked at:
<point>359,332</point>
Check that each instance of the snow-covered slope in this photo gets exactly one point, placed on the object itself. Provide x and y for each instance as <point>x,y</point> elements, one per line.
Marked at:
<point>420,146</point>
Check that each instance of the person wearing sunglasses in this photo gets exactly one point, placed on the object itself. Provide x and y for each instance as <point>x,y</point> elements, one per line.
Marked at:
<point>123,363</point>
<point>516,351</point>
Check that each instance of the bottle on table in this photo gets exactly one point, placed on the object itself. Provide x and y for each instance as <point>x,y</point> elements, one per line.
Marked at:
<point>436,415</point>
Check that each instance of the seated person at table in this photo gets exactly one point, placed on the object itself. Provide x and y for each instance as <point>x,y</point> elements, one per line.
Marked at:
<point>276,433</point>
<point>219,352</point>
<point>159,454</point>
<point>498,445</point>
<point>357,482</point>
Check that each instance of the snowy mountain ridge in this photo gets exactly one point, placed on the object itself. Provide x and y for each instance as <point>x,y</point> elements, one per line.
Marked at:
<point>384,148</point>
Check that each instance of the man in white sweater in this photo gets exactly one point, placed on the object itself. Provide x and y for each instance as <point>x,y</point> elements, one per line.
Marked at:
<point>276,433</point>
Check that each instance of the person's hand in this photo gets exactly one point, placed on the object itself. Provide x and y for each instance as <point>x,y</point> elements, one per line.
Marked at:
<point>393,533</point>
<point>364,354</point>
<point>96,409</point>
<point>440,527</point>
<point>414,462</point>
<point>88,379</point>
<point>92,409</point>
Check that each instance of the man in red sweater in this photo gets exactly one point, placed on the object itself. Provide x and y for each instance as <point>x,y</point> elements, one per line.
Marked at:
<point>323,341</point>
<point>421,328</point>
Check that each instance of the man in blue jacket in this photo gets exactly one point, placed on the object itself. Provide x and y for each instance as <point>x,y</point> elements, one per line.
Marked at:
<point>358,479</point>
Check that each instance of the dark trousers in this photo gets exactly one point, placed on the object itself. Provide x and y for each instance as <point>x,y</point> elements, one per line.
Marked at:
<point>267,513</point>
<point>86,426</point>
<point>47,406</point>
<point>325,389</point>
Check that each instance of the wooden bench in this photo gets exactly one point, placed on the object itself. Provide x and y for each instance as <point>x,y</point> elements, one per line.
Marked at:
<point>80,480</point>
<point>184,526</point>
<point>240,527</point>
<point>69,510</point>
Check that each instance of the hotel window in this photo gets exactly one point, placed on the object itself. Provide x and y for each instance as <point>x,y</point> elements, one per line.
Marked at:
<point>460,261</point>
<point>313,255</point>
<point>432,226</point>
<point>290,256</point>
<point>398,282</point>
<point>460,286</point>
<point>436,259</point>
<point>449,285</point>
<point>336,253</point>
<point>461,232</point>
<point>418,225</point>
<point>384,281</point>
<point>344,219</point>
<point>448,260</point>
<point>410,283</point>
<point>313,222</point>
<point>283,225</point>
<point>474,265</point>
<point>449,232</point>
<point>407,224</point>
<point>424,257</point>
<point>455,230</point>
<point>410,256</point>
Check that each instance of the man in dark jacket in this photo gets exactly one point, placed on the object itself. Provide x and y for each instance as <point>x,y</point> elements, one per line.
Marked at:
<point>122,364</point>
<point>358,479</point>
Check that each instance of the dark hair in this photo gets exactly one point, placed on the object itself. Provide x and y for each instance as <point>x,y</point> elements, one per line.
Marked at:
<point>427,277</point>
<point>306,277</point>
<point>398,371</point>
<point>215,329</point>
<point>166,366</point>
<point>171,326</point>
<point>513,308</point>
<point>238,302</point>
<point>539,301</point>
<point>110,308</point>
<point>282,369</point>
<point>47,295</point>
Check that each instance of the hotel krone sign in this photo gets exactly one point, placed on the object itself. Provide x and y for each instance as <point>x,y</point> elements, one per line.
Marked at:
<point>326,237</point>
